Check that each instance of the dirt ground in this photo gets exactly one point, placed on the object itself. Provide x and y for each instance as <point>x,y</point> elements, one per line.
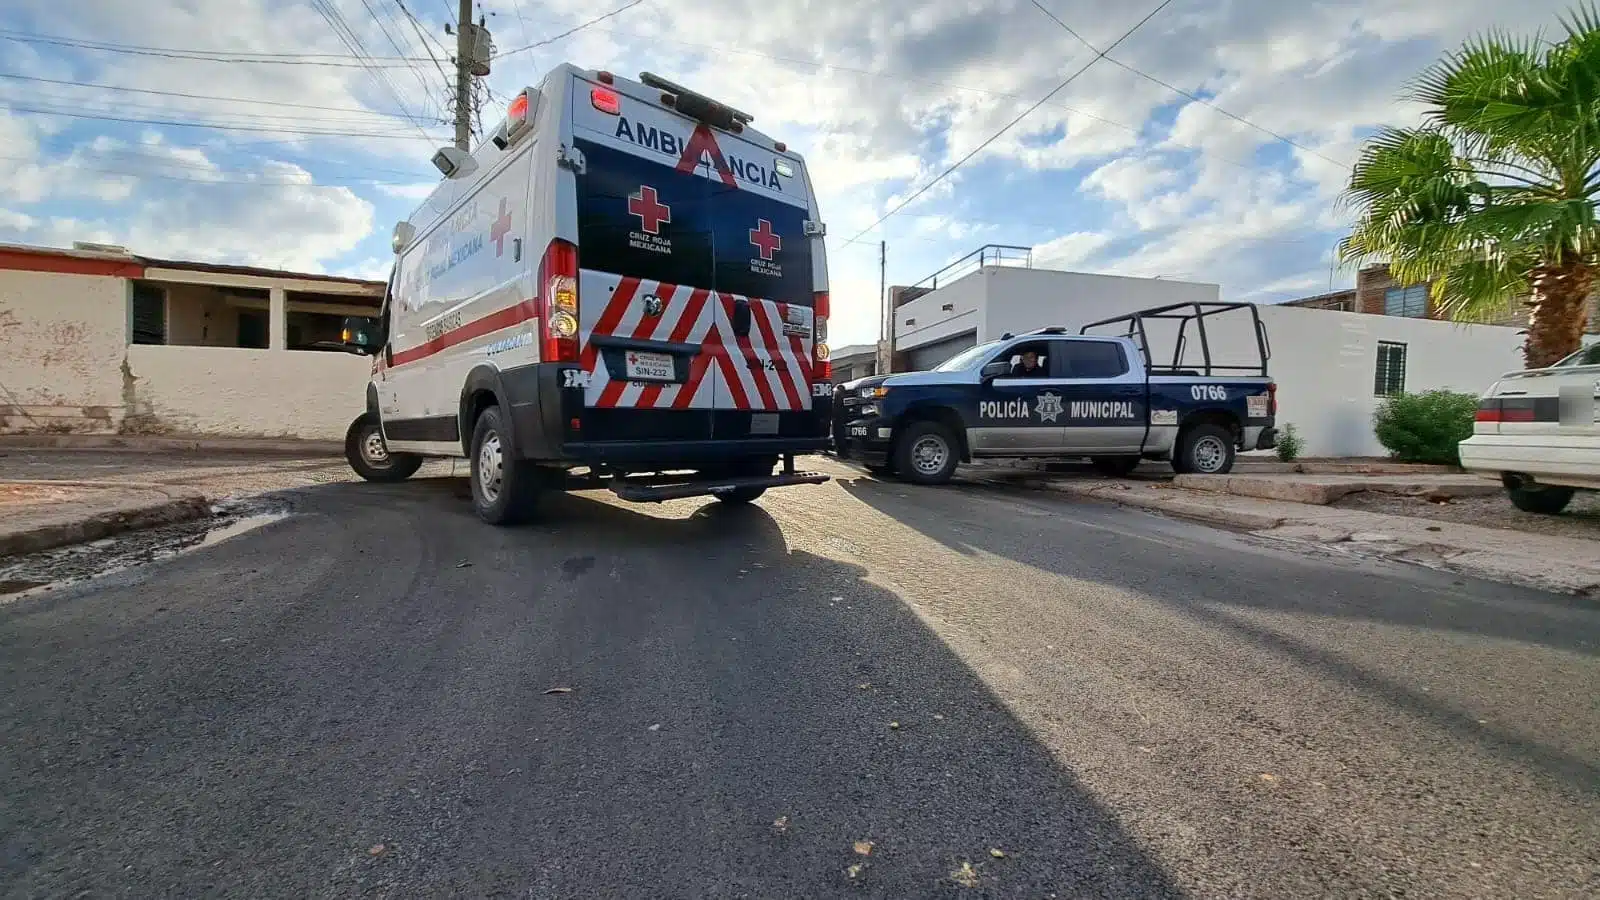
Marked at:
<point>1580,520</point>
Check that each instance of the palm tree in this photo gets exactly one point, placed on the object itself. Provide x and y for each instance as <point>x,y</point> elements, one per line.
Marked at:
<point>1494,197</point>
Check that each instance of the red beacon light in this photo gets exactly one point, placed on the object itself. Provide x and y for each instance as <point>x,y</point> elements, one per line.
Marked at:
<point>518,121</point>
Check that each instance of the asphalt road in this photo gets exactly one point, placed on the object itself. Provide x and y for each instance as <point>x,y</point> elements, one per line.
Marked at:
<point>355,700</point>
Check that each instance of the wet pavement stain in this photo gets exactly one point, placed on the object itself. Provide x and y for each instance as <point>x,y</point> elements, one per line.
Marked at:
<point>49,570</point>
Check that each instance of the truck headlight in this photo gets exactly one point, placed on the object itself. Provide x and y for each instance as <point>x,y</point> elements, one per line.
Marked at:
<point>873,393</point>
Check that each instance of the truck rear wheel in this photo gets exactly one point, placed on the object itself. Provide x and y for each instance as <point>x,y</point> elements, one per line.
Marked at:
<point>1546,501</point>
<point>505,490</point>
<point>1203,450</point>
<point>925,453</point>
<point>368,454</point>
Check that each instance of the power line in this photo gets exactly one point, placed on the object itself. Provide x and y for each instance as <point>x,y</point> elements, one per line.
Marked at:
<point>72,164</point>
<point>1183,93</point>
<point>114,87</point>
<point>422,35</point>
<point>77,114</point>
<point>329,60</point>
<point>395,44</point>
<point>138,107</point>
<point>1099,55</point>
<point>572,31</point>
<point>352,42</point>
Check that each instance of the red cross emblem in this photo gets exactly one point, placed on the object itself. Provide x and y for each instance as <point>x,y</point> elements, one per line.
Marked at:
<point>651,211</point>
<point>766,240</point>
<point>501,228</point>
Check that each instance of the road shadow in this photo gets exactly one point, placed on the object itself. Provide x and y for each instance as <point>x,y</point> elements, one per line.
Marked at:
<point>382,695</point>
<point>1204,583</point>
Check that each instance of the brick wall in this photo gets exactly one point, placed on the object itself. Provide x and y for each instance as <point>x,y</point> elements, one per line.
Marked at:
<point>1373,282</point>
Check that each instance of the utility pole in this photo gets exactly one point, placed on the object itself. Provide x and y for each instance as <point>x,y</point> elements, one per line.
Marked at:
<point>885,314</point>
<point>465,36</point>
<point>883,290</point>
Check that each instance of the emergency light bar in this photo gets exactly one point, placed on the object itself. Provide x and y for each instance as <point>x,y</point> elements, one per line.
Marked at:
<point>696,105</point>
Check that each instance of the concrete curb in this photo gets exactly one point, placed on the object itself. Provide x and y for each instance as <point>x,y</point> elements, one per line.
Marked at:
<point>95,526</point>
<point>1115,492</point>
<point>141,443</point>
<point>1324,492</point>
<point>1345,531</point>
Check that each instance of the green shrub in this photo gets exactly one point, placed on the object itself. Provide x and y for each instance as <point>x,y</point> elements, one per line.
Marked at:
<point>1425,427</point>
<point>1290,444</point>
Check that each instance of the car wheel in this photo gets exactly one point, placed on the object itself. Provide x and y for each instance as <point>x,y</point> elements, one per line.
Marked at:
<point>369,456</point>
<point>1204,450</point>
<point>1543,500</point>
<point>505,490</point>
<point>1116,466</point>
<point>926,453</point>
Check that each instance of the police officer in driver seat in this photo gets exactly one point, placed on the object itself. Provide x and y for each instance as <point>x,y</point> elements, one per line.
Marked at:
<point>1029,366</point>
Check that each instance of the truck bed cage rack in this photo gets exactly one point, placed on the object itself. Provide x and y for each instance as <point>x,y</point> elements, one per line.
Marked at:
<point>1185,313</point>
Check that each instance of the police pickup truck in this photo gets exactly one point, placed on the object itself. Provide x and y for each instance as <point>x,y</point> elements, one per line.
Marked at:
<point>1087,395</point>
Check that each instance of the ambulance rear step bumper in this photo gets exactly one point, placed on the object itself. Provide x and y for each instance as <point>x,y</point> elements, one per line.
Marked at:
<point>649,491</point>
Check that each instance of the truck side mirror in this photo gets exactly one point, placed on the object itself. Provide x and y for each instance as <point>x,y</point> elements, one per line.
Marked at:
<point>359,334</point>
<point>996,370</point>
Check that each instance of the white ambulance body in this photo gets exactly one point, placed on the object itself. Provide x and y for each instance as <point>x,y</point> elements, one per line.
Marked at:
<point>626,282</point>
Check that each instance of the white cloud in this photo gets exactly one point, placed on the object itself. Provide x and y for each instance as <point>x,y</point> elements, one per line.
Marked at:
<point>1149,183</point>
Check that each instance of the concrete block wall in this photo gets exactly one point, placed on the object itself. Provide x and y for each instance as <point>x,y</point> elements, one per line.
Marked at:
<point>61,352</point>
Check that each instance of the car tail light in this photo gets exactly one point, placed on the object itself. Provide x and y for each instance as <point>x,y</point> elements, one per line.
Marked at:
<point>1272,398</point>
<point>823,370</point>
<point>1495,411</point>
<point>558,303</point>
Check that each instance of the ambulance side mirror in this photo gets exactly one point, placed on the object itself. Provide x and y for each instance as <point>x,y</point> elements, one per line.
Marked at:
<point>996,370</point>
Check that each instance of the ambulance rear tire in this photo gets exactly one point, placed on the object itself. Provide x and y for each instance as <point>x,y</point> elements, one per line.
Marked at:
<point>926,453</point>
<point>1203,450</point>
<point>368,454</point>
<point>1115,466</point>
<point>505,490</point>
<point>740,496</point>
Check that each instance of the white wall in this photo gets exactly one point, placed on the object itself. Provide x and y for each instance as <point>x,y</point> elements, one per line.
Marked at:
<point>1021,300</point>
<point>233,392</point>
<point>61,342</point>
<point>929,322</point>
<point>1325,361</point>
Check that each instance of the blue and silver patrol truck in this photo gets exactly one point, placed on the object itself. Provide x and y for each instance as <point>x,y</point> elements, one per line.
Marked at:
<point>1093,395</point>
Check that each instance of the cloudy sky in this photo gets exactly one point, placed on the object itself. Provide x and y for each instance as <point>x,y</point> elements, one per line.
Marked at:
<point>111,131</point>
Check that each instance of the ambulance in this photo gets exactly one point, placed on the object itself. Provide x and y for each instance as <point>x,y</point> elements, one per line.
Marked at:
<point>624,286</point>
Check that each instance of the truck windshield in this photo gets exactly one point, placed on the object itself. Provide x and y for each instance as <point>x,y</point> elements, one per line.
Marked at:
<point>967,358</point>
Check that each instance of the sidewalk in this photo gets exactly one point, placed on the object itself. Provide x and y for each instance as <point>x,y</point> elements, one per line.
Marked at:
<point>1561,564</point>
<point>39,515</point>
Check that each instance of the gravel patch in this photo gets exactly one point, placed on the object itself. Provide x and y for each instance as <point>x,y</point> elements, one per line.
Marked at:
<point>1580,520</point>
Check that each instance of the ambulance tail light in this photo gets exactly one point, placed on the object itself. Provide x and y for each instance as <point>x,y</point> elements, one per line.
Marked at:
<point>558,303</point>
<point>1272,398</point>
<point>605,100</point>
<point>820,307</point>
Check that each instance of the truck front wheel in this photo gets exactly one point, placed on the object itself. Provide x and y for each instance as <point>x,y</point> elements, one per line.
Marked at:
<point>1203,450</point>
<point>505,490</point>
<point>369,456</point>
<point>925,453</point>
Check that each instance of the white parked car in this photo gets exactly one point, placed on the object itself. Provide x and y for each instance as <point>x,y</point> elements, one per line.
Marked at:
<point>1537,432</point>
